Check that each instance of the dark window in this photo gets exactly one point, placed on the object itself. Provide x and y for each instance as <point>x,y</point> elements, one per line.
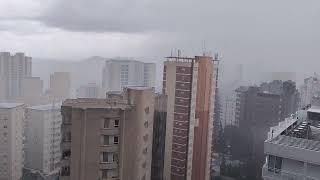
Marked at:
<point>106,140</point>
<point>116,123</point>
<point>106,123</point>
<point>146,110</point>
<point>115,140</point>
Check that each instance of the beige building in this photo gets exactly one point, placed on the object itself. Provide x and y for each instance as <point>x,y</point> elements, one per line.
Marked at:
<point>108,139</point>
<point>60,86</point>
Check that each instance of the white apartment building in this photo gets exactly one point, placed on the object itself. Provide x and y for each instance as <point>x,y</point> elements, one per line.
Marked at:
<point>91,90</point>
<point>229,110</point>
<point>293,148</point>
<point>309,89</point>
<point>43,137</point>
<point>13,69</point>
<point>118,74</point>
<point>11,141</point>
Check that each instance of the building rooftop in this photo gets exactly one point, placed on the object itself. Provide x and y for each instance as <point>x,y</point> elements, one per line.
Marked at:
<point>314,109</point>
<point>297,131</point>
<point>93,103</point>
<point>9,105</point>
<point>139,88</point>
<point>55,106</point>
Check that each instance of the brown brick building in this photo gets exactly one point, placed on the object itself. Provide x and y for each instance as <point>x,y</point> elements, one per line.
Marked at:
<point>189,84</point>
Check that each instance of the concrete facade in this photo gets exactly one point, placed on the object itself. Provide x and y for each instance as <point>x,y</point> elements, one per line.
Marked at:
<point>12,140</point>
<point>108,138</point>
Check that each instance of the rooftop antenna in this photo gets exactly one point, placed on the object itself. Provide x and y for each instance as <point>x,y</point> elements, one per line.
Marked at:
<point>216,57</point>
<point>204,49</point>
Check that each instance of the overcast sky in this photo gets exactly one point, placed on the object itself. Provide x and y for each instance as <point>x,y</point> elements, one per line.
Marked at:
<point>257,32</point>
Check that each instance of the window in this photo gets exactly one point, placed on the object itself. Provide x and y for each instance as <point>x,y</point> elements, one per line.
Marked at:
<point>145,151</point>
<point>116,123</point>
<point>67,137</point>
<point>146,137</point>
<point>274,164</point>
<point>106,123</point>
<point>105,173</point>
<point>115,157</point>
<point>106,140</point>
<point>115,140</point>
<point>146,110</point>
<point>105,157</point>
<point>146,124</point>
<point>108,173</point>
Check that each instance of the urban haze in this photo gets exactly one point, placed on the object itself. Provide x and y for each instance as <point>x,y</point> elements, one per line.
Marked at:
<point>159,90</point>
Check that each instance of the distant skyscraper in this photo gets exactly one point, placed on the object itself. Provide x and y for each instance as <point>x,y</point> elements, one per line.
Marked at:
<point>90,90</point>
<point>32,91</point>
<point>310,89</point>
<point>108,138</point>
<point>189,84</point>
<point>60,85</point>
<point>3,89</point>
<point>257,109</point>
<point>11,141</point>
<point>118,74</point>
<point>13,69</point>
<point>43,138</point>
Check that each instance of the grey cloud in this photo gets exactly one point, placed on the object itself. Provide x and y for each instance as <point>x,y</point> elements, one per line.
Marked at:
<point>179,15</point>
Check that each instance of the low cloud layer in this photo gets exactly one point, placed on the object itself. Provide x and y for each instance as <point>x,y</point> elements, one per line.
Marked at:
<point>253,32</point>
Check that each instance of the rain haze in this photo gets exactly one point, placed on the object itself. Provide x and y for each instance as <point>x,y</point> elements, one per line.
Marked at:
<point>159,89</point>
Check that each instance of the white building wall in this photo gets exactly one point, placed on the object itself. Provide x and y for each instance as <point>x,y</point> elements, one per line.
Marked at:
<point>118,74</point>
<point>11,138</point>
<point>43,138</point>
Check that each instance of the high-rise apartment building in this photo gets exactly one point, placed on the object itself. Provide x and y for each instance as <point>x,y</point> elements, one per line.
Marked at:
<point>11,141</point>
<point>189,84</point>
<point>13,69</point>
<point>108,138</point>
<point>257,109</point>
<point>293,147</point>
<point>310,89</point>
<point>60,86</point>
<point>43,138</point>
<point>118,74</point>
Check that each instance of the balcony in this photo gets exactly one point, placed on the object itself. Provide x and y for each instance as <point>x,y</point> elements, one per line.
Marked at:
<point>113,165</point>
<point>113,131</point>
<point>300,149</point>
<point>278,174</point>
<point>65,145</point>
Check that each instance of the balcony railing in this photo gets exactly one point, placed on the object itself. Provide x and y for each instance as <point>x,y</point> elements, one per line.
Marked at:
<point>301,143</point>
<point>273,173</point>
